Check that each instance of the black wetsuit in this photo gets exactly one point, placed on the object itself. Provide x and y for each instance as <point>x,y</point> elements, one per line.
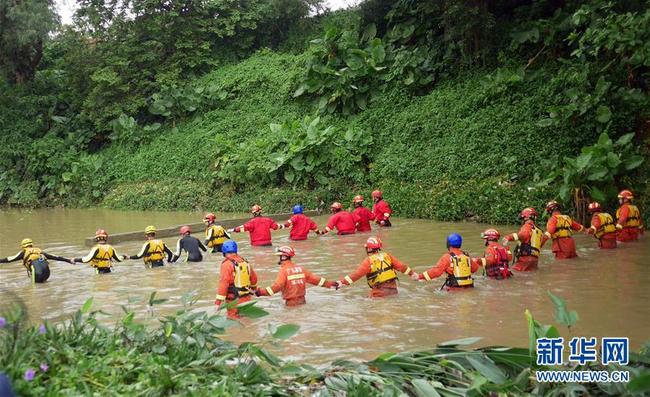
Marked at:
<point>41,271</point>
<point>193,246</point>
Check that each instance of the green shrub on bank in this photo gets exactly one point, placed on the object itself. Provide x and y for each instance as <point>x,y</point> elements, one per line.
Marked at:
<point>185,355</point>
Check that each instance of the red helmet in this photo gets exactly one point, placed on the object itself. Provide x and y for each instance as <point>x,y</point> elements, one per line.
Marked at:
<point>625,194</point>
<point>285,250</point>
<point>491,235</point>
<point>357,199</point>
<point>336,206</point>
<point>373,243</point>
<point>185,229</point>
<point>594,207</point>
<point>209,217</point>
<point>101,233</point>
<point>552,206</point>
<point>256,209</point>
<point>376,194</point>
<point>528,213</point>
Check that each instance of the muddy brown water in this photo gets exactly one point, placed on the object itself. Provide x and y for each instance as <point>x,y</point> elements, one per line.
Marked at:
<point>609,289</point>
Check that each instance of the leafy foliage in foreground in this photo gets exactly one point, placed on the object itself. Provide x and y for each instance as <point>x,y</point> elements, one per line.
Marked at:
<point>185,355</point>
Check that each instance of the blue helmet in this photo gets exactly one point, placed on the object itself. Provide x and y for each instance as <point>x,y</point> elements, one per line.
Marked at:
<point>297,209</point>
<point>453,240</point>
<point>229,247</point>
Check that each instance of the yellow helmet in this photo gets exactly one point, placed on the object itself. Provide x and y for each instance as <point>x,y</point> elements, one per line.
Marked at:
<point>150,230</point>
<point>27,242</point>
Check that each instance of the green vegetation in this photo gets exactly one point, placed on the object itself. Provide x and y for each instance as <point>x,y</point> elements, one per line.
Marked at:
<point>185,355</point>
<point>457,110</point>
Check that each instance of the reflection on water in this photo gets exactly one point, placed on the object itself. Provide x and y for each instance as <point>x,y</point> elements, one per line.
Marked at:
<point>609,289</point>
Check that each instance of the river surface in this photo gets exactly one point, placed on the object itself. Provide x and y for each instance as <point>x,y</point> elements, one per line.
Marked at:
<point>609,289</point>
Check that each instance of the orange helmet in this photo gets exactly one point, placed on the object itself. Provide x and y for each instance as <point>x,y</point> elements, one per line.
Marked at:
<point>209,217</point>
<point>285,250</point>
<point>528,213</point>
<point>336,206</point>
<point>357,199</point>
<point>594,207</point>
<point>376,194</point>
<point>625,194</point>
<point>184,230</point>
<point>552,206</point>
<point>491,235</point>
<point>256,209</point>
<point>101,234</point>
<point>373,243</point>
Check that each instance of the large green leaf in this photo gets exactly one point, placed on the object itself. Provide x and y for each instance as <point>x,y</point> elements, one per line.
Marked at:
<point>625,139</point>
<point>289,176</point>
<point>633,162</point>
<point>598,173</point>
<point>251,311</point>
<point>423,388</point>
<point>460,342</point>
<point>562,315</point>
<point>603,114</point>
<point>285,331</point>
<point>487,368</point>
<point>640,384</point>
<point>597,194</point>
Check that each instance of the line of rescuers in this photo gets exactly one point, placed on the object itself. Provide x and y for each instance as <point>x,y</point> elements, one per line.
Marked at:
<point>530,237</point>
<point>238,280</point>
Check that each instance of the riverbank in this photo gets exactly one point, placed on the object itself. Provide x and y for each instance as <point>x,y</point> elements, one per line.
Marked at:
<point>456,153</point>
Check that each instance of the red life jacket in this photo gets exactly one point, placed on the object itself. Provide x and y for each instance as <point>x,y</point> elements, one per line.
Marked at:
<point>500,270</point>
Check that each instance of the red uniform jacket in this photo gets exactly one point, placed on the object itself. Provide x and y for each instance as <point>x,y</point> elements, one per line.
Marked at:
<point>380,209</point>
<point>492,256</point>
<point>227,278</point>
<point>300,226</point>
<point>524,235</point>
<point>343,221</point>
<point>366,266</point>
<point>363,216</point>
<point>292,281</point>
<point>260,230</point>
<point>444,265</point>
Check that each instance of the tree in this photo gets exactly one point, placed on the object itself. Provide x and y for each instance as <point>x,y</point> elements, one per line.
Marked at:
<point>24,26</point>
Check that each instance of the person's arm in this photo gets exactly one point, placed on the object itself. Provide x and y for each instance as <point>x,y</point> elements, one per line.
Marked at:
<point>169,252</point>
<point>595,225</point>
<point>437,270</point>
<point>387,211</point>
<point>179,250</point>
<point>312,279</point>
<point>201,246</point>
<point>275,226</point>
<point>489,258</point>
<point>361,270</point>
<point>402,267</point>
<point>246,227</point>
<point>145,248</point>
<point>19,256</point>
<point>253,278</point>
<point>210,235</point>
<point>313,226</point>
<point>115,256</point>
<point>622,217</point>
<point>475,264</point>
<point>371,215</point>
<point>226,235</point>
<point>89,257</point>
<point>575,226</point>
<point>225,279</point>
<point>277,286</point>
<point>551,226</point>
<point>57,258</point>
